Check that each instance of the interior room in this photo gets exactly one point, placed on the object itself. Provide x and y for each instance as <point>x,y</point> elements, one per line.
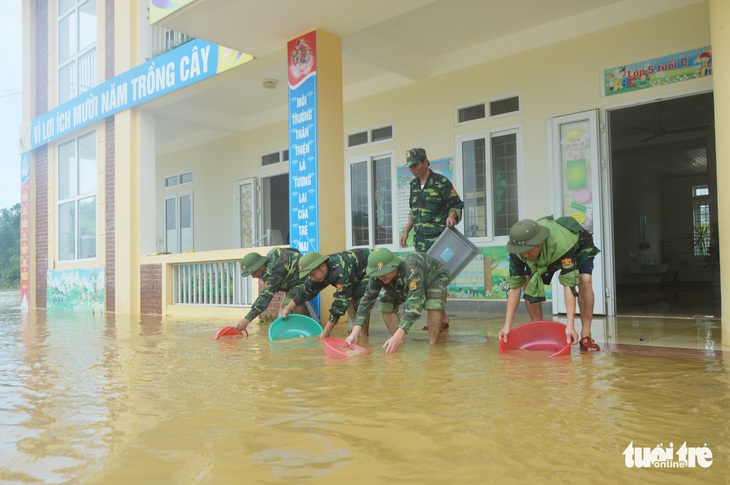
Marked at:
<point>664,201</point>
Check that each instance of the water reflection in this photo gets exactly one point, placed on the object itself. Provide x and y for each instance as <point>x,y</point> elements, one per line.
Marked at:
<point>113,400</point>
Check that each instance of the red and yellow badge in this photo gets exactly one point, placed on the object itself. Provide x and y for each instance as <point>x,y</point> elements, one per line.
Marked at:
<point>567,263</point>
<point>412,285</point>
<point>339,287</point>
<point>380,265</point>
<point>454,193</point>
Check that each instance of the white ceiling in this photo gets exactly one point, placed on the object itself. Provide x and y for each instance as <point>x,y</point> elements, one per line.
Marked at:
<point>385,43</point>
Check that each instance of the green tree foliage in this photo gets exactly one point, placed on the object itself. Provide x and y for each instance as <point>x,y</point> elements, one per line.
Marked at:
<point>10,247</point>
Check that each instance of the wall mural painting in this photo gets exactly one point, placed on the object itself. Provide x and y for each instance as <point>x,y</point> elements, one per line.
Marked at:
<point>80,289</point>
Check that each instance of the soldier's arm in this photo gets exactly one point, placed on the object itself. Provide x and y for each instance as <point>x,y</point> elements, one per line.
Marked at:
<point>367,301</point>
<point>271,286</point>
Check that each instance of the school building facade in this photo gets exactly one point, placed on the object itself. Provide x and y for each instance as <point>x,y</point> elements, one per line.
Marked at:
<point>163,141</point>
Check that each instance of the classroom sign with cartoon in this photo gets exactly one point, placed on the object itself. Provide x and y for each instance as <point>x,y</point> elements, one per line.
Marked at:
<point>673,68</point>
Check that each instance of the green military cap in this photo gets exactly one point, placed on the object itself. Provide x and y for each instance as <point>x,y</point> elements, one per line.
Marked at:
<point>251,262</point>
<point>309,262</point>
<point>525,235</point>
<point>415,155</point>
<point>381,262</point>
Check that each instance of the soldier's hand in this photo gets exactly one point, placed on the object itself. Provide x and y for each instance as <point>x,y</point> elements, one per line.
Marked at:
<point>451,220</point>
<point>352,338</point>
<point>503,333</point>
<point>404,240</point>
<point>392,344</point>
<point>242,324</point>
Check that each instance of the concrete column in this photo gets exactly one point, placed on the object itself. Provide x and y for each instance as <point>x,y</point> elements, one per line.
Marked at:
<point>126,176</point>
<point>720,42</point>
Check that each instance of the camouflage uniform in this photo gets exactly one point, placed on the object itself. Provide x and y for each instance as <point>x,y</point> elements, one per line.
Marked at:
<point>281,274</point>
<point>346,272</point>
<point>566,249</point>
<point>421,282</point>
<point>430,207</point>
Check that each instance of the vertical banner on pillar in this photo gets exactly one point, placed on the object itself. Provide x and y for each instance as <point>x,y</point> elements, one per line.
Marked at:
<point>25,231</point>
<point>303,162</point>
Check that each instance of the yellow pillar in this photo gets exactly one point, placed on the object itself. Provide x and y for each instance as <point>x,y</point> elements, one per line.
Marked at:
<point>126,175</point>
<point>720,42</point>
<point>331,154</point>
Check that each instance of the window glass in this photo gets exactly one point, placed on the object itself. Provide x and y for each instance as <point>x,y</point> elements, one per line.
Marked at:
<point>87,72</point>
<point>504,183</point>
<point>66,88</point>
<point>476,112</point>
<point>385,133</point>
<point>67,231</point>
<point>359,204</point>
<point>383,201</point>
<point>489,171</point>
<point>171,225</point>
<point>87,227</point>
<point>77,34</point>
<point>87,164</point>
<point>67,176</point>
<point>502,106</point>
<point>186,178</point>
<point>357,139</point>
<point>77,172</point>
<point>186,222</point>
<point>475,192</point>
<point>65,5</point>
<point>87,24</point>
<point>67,41</point>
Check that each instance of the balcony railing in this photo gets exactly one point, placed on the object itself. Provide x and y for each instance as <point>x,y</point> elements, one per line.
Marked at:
<point>163,40</point>
<point>213,283</point>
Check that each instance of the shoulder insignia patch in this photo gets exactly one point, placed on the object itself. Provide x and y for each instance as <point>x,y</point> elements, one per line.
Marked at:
<point>412,285</point>
<point>567,263</point>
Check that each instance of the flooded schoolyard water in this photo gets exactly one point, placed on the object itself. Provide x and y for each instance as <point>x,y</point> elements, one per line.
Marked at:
<point>104,399</point>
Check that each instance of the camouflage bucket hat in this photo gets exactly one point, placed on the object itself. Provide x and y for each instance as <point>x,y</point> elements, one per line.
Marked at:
<point>309,262</point>
<point>525,235</point>
<point>415,155</point>
<point>251,262</point>
<point>381,262</point>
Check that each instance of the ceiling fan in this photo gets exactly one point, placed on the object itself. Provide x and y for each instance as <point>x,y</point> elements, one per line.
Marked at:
<point>661,131</point>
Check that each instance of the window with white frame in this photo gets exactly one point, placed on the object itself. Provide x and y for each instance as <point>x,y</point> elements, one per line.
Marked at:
<point>77,172</point>
<point>179,222</point>
<point>488,164</point>
<point>77,32</point>
<point>370,205</point>
<point>487,109</point>
<point>274,158</point>
<point>179,179</point>
<point>373,135</point>
<point>701,219</point>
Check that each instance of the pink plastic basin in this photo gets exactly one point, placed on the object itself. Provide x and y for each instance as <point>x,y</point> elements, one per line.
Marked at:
<point>542,335</point>
<point>338,349</point>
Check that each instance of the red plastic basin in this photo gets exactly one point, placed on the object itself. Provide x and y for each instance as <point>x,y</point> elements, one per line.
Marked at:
<point>542,335</point>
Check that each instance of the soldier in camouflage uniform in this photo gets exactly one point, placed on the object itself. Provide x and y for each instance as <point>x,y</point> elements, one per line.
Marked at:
<point>539,249</point>
<point>435,205</point>
<point>345,271</point>
<point>417,279</point>
<point>279,270</point>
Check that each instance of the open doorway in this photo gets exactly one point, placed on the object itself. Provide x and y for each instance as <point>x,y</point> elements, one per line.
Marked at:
<point>664,207</point>
<point>275,194</point>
